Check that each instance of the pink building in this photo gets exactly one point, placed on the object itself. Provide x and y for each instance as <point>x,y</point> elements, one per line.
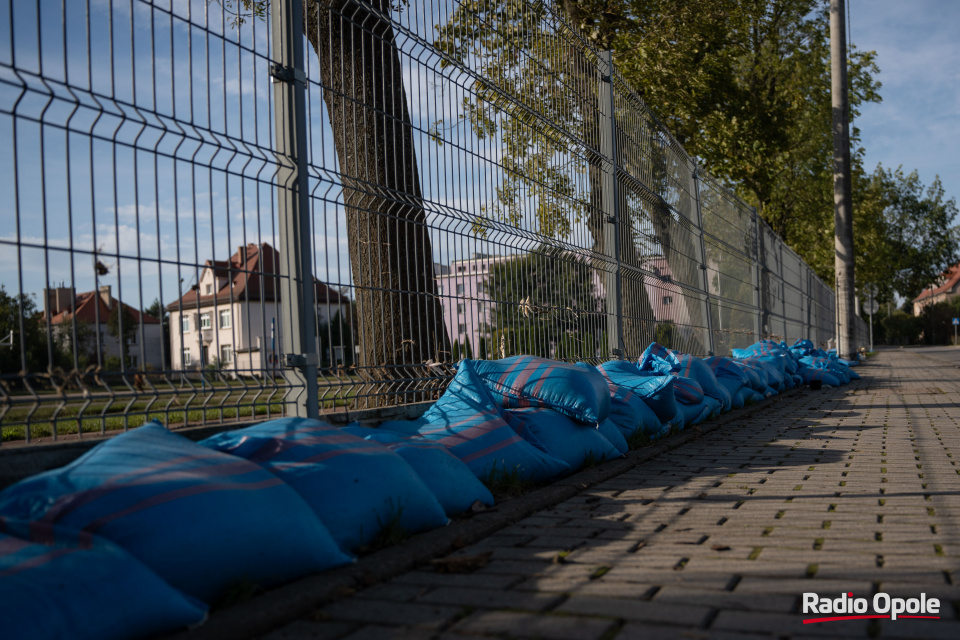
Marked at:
<point>466,308</point>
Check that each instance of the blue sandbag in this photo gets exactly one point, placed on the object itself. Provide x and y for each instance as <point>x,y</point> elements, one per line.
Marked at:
<point>529,381</point>
<point>60,583</point>
<point>356,486</point>
<point>693,367</point>
<point>828,364</point>
<point>690,413</point>
<point>733,387</point>
<point>825,376</point>
<point>630,413</point>
<point>654,389</point>
<point>561,437</point>
<point>201,519</point>
<point>725,368</point>
<point>687,390</point>
<point>659,359</point>
<point>757,378</point>
<point>449,479</point>
<point>747,396</point>
<point>694,414</point>
<point>467,421</point>
<point>611,432</point>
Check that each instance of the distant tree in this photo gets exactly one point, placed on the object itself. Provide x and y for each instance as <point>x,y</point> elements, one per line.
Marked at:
<point>545,303</point>
<point>157,311</point>
<point>902,328</point>
<point>29,349</point>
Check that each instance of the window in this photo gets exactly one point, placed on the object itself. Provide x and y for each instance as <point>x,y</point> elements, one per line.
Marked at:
<point>459,308</point>
<point>186,357</point>
<point>461,269</point>
<point>463,328</point>
<point>185,322</point>
<point>225,317</point>
<point>209,289</point>
<point>226,354</point>
<point>205,321</point>
<point>481,307</point>
<point>460,289</point>
<point>440,289</point>
<point>667,299</point>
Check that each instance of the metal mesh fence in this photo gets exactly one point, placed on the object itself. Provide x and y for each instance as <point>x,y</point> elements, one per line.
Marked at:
<point>211,218</point>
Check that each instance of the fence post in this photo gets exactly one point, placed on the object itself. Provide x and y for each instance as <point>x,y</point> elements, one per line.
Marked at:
<point>296,287</point>
<point>707,307</point>
<point>757,298</point>
<point>611,205</point>
<point>783,290</point>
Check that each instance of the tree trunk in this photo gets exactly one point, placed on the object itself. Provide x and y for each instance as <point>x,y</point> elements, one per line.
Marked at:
<point>400,319</point>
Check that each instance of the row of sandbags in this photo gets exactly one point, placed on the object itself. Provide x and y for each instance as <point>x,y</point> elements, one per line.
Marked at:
<point>141,535</point>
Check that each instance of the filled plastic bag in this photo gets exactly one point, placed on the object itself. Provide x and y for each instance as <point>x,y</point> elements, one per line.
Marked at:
<point>699,370</point>
<point>60,583</point>
<point>467,421</point>
<point>631,414</point>
<point>357,487</point>
<point>656,390</point>
<point>449,479</point>
<point>609,430</point>
<point>201,519</point>
<point>561,437</point>
<point>529,381</point>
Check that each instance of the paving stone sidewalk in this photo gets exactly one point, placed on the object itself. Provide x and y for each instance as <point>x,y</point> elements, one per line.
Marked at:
<point>845,490</point>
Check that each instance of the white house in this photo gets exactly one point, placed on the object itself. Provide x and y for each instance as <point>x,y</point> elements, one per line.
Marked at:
<point>231,317</point>
<point>63,306</point>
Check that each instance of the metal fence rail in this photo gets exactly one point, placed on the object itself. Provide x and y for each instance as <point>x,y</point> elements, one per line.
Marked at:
<point>212,218</point>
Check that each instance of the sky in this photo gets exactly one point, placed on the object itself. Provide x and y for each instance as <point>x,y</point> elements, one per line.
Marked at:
<point>918,51</point>
<point>176,60</point>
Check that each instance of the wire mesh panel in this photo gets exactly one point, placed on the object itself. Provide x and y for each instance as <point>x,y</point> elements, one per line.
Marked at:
<point>141,249</point>
<point>219,208</point>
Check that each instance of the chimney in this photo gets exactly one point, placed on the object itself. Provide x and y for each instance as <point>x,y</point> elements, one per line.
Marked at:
<point>56,300</point>
<point>105,295</point>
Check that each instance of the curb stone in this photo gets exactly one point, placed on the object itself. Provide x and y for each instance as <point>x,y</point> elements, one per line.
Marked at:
<point>280,606</point>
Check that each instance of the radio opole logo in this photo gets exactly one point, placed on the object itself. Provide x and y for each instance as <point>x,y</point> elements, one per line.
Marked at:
<point>880,606</point>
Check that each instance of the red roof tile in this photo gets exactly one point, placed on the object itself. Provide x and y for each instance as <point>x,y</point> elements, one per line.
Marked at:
<point>951,277</point>
<point>252,276</point>
<point>87,304</point>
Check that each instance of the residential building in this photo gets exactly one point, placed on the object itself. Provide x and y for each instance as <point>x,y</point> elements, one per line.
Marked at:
<point>231,316</point>
<point>91,311</point>
<point>945,288</point>
<point>466,306</point>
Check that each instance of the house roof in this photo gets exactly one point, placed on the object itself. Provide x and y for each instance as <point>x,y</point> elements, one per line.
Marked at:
<point>950,279</point>
<point>86,305</point>
<point>251,274</point>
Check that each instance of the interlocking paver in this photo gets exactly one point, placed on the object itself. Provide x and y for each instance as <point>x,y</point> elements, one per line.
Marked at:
<point>839,490</point>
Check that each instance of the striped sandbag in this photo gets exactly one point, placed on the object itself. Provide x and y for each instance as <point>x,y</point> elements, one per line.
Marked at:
<point>725,368</point>
<point>695,368</point>
<point>201,519</point>
<point>630,413</point>
<point>61,583</point>
<point>655,389</point>
<point>469,423</point>
<point>687,390</point>
<point>528,381</point>
<point>561,437</point>
<point>449,479</point>
<point>356,486</point>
